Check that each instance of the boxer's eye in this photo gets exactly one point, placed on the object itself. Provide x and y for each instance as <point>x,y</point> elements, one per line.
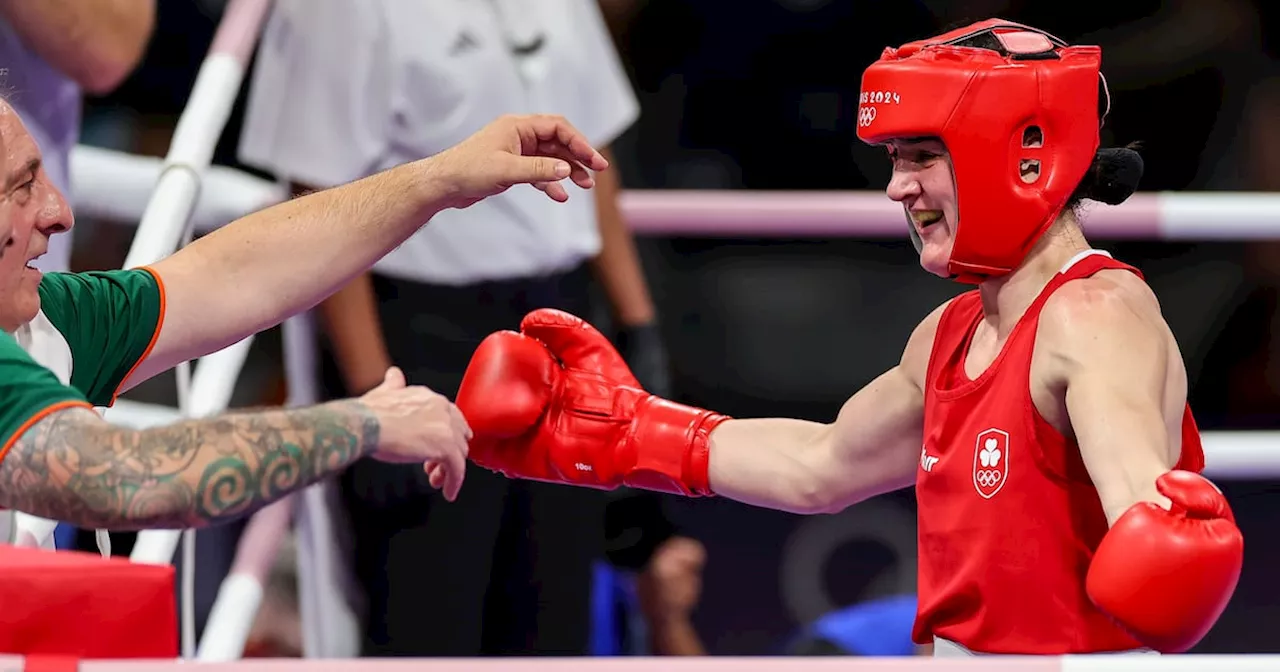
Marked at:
<point>918,157</point>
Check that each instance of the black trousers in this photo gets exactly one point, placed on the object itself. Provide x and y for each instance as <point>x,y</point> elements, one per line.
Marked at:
<point>504,570</point>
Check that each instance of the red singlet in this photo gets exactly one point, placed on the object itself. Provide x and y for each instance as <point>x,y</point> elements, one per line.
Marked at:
<point>1008,517</point>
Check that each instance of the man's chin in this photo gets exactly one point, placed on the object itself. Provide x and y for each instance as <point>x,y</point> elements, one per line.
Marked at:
<point>19,313</point>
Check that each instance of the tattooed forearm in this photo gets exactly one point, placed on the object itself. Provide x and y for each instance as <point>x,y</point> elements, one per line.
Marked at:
<point>73,466</point>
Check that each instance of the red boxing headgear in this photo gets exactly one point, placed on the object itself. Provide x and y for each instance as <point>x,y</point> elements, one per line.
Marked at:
<point>1004,98</point>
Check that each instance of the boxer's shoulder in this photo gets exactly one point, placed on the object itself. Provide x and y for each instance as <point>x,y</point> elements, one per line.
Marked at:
<point>1110,311</point>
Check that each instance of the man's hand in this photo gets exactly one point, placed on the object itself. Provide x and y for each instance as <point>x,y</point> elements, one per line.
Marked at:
<point>540,150</point>
<point>420,426</point>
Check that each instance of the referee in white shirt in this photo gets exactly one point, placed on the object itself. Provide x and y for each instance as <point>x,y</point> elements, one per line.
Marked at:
<point>344,88</point>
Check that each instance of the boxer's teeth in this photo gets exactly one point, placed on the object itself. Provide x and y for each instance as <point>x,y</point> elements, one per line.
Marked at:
<point>927,217</point>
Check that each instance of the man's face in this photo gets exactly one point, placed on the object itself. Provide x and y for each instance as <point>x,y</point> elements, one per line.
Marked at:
<point>31,210</point>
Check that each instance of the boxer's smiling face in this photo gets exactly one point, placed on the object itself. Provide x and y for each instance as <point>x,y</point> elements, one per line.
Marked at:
<point>925,184</point>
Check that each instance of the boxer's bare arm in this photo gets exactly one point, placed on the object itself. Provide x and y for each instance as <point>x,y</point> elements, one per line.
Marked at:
<point>808,467</point>
<point>1125,389</point>
<point>74,466</point>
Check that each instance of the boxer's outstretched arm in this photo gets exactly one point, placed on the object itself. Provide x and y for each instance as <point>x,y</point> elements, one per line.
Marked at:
<point>873,446</point>
<point>255,272</point>
<point>806,467</point>
<point>556,402</point>
<point>73,466</point>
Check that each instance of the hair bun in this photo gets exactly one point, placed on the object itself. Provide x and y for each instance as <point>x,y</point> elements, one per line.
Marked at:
<point>1114,175</point>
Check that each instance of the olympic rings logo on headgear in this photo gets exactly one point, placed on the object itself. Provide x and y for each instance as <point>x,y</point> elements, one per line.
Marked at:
<point>866,115</point>
<point>988,477</point>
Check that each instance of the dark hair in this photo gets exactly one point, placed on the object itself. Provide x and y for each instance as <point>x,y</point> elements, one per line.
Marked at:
<point>1112,178</point>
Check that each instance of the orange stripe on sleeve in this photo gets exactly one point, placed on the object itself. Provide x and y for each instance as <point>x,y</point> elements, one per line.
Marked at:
<point>51,408</point>
<point>155,336</point>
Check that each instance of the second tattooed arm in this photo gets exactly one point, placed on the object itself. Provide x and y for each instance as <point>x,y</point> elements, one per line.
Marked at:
<point>73,466</point>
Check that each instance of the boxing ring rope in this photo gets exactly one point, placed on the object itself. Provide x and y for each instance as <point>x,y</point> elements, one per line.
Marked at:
<point>1166,216</point>
<point>122,182</point>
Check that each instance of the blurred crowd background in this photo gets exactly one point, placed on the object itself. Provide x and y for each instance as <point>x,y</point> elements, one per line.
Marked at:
<point>761,95</point>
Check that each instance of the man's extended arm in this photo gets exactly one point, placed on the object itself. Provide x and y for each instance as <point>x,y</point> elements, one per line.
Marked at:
<point>97,43</point>
<point>353,327</point>
<point>75,467</point>
<point>252,274</point>
<point>247,276</point>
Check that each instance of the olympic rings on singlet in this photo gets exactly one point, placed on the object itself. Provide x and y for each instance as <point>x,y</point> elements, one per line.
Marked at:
<point>988,477</point>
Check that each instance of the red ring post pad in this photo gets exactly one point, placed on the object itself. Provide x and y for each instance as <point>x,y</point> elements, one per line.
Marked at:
<point>69,603</point>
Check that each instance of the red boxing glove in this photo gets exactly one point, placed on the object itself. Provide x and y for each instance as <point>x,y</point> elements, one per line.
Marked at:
<point>1164,575</point>
<point>557,403</point>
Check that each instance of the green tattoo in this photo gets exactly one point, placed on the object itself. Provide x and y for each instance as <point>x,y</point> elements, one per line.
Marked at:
<point>73,467</point>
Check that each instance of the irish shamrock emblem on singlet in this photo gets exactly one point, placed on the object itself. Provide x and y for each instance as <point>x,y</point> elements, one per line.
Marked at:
<point>990,461</point>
